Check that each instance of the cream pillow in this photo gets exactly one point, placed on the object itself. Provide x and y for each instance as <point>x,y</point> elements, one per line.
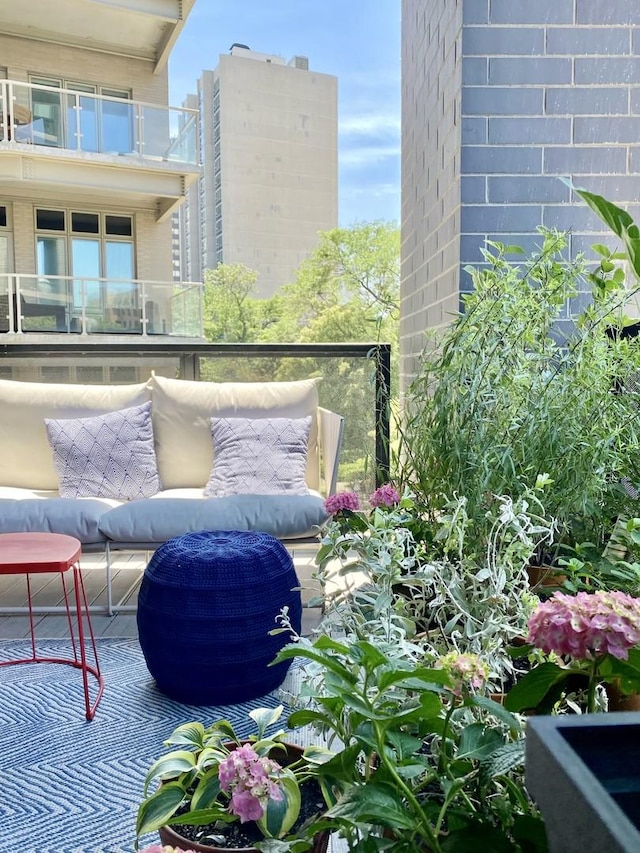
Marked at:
<point>26,460</point>
<point>182,412</point>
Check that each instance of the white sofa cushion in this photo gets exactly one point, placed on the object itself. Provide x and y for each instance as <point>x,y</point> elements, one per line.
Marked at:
<point>26,459</point>
<point>182,412</point>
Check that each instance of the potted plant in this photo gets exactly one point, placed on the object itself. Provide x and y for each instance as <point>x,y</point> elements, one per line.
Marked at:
<point>520,389</point>
<point>219,792</point>
<point>592,641</point>
<point>428,762</point>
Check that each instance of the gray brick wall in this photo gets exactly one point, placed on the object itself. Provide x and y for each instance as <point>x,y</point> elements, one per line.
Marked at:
<point>541,89</point>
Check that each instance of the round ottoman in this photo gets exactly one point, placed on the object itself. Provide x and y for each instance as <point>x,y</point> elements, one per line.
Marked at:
<point>206,605</point>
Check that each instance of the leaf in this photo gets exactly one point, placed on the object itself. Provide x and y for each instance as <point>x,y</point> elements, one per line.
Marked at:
<point>172,764</point>
<point>531,689</point>
<point>496,709</point>
<point>207,790</point>
<point>157,809</point>
<point>477,742</point>
<point>189,733</point>
<point>530,832</point>
<point>265,717</point>
<point>506,757</point>
<point>477,837</point>
<point>280,815</point>
<point>376,803</point>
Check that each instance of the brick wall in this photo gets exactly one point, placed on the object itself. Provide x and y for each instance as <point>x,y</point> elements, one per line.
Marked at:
<point>431,85</point>
<point>549,89</point>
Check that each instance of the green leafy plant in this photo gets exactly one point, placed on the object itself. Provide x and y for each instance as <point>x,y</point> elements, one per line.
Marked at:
<point>428,762</point>
<point>520,388</point>
<point>215,777</point>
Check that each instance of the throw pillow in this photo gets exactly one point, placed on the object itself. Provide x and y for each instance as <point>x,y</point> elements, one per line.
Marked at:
<point>259,456</point>
<point>105,456</point>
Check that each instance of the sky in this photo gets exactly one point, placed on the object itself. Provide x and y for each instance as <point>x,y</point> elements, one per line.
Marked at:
<point>356,40</point>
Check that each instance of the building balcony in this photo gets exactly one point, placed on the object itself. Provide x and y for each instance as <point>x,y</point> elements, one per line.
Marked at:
<point>63,305</point>
<point>137,29</point>
<point>54,138</point>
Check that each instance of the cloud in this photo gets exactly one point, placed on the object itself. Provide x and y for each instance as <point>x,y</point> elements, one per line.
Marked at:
<point>369,125</point>
<point>368,154</point>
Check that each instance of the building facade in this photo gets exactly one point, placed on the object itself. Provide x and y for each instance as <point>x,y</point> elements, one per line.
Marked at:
<point>268,145</point>
<point>93,162</point>
<point>500,100</point>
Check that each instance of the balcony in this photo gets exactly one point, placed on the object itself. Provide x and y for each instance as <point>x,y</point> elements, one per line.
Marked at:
<point>51,138</point>
<point>137,29</point>
<point>62,305</point>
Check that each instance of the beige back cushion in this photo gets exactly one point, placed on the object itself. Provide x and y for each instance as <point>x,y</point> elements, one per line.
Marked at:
<point>182,412</point>
<point>26,459</point>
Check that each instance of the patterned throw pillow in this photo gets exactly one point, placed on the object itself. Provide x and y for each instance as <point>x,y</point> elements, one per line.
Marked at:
<point>105,456</point>
<point>258,456</point>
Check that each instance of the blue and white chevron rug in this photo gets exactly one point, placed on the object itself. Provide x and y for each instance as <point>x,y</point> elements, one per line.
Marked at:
<point>72,786</point>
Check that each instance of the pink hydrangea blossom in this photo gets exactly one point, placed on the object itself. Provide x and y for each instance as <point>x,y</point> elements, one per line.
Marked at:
<point>587,625</point>
<point>343,500</point>
<point>386,495</point>
<point>247,776</point>
<point>466,671</point>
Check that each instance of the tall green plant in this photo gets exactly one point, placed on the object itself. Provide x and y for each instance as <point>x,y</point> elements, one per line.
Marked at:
<point>508,401</point>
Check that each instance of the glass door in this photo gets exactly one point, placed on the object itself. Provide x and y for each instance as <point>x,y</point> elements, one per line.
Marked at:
<point>82,118</point>
<point>46,110</point>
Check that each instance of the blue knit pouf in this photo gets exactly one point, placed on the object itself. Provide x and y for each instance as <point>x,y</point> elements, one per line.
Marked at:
<point>206,605</point>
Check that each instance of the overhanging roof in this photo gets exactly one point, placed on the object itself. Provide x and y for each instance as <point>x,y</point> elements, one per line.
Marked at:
<point>138,29</point>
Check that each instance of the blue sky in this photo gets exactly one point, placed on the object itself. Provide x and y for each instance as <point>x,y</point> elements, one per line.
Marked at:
<point>357,40</point>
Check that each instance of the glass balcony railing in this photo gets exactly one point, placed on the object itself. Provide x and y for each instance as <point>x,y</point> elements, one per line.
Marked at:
<point>99,306</point>
<point>81,121</point>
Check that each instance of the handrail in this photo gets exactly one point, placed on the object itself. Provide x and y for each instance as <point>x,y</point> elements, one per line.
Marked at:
<point>189,355</point>
<point>178,131</point>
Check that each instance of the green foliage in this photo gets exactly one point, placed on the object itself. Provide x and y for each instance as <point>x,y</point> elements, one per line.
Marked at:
<point>424,766</point>
<point>190,791</point>
<point>506,401</point>
<point>347,290</point>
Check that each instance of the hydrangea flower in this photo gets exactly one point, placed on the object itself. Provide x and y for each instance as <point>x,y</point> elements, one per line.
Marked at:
<point>246,775</point>
<point>386,495</point>
<point>158,848</point>
<point>467,671</point>
<point>343,500</point>
<point>587,625</point>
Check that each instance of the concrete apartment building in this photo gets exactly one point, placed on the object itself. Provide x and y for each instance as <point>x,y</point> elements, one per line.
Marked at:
<point>268,145</point>
<point>501,98</point>
<point>93,162</point>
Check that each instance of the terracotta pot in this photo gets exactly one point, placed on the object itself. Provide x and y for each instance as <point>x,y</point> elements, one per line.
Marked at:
<point>545,576</point>
<point>170,837</point>
<point>619,701</point>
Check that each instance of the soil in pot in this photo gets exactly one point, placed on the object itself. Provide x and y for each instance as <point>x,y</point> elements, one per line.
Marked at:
<point>242,836</point>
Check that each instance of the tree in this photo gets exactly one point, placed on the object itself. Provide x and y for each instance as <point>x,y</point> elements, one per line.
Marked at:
<point>230,312</point>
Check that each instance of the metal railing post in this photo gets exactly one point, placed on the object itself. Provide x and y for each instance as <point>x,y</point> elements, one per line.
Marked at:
<point>382,356</point>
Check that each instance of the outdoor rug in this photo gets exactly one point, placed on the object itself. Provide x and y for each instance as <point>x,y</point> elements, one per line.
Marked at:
<point>72,786</point>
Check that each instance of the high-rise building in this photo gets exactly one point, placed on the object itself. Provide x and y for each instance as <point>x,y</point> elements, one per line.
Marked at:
<point>93,162</point>
<point>500,100</point>
<point>268,145</point>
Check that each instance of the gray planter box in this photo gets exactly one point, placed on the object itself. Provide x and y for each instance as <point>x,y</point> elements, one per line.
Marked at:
<point>583,771</point>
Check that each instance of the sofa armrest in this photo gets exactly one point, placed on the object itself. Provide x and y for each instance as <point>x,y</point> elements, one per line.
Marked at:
<point>331,428</point>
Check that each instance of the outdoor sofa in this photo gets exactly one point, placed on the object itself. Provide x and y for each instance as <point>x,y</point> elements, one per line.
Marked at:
<point>268,467</point>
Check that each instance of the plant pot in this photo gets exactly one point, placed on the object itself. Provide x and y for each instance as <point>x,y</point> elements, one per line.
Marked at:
<point>170,836</point>
<point>545,576</point>
<point>619,701</point>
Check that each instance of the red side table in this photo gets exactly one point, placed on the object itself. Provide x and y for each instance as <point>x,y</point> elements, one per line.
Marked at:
<point>36,553</point>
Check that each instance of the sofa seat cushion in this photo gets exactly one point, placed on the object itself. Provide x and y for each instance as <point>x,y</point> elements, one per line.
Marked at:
<point>154,520</point>
<point>32,513</point>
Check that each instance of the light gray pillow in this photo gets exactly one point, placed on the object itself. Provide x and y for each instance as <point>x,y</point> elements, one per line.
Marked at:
<point>105,456</point>
<point>259,456</point>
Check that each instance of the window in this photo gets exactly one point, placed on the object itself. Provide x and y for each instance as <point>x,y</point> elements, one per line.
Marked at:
<point>79,119</point>
<point>90,247</point>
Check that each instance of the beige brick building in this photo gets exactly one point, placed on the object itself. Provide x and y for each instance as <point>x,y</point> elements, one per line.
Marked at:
<point>93,162</point>
<point>268,146</point>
